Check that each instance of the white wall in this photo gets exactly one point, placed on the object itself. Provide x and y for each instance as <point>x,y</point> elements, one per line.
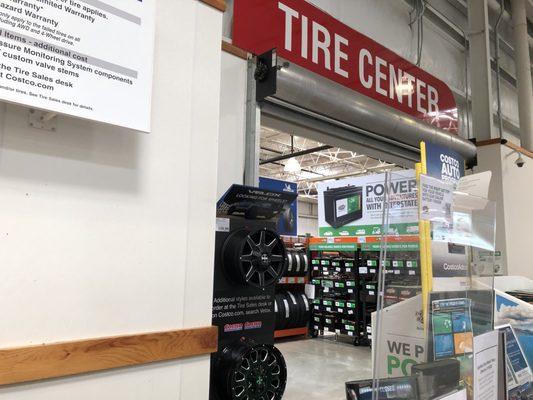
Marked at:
<point>489,159</point>
<point>512,189</point>
<point>106,231</point>
<point>518,197</point>
<point>232,122</point>
<point>307,217</point>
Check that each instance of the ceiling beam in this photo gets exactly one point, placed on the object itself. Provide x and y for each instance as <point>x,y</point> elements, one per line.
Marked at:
<point>296,154</point>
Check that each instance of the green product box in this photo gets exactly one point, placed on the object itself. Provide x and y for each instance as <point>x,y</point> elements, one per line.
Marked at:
<point>325,262</point>
<point>327,283</point>
<point>397,264</point>
<point>328,303</point>
<point>316,282</point>
<point>350,283</point>
<point>340,303</point>
<point>351,304</point>
<point>412,264</point>
<point>315,261</point>
<point>339,284</point>
<point>372,263</point>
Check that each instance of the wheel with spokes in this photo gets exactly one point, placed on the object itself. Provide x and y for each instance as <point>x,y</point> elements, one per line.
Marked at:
<point>251,372</point>
<point>254,258</point>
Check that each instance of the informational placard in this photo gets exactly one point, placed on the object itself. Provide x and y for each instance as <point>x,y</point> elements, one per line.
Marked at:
<point>460,395</point>
<point>91,59</point>
<point>355,206</point>
<point>519,377</point>
<point>486,364</point>
<point>451,327</point>
<point>436,199</point>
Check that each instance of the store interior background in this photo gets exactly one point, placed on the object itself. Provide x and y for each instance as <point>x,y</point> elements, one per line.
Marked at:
<point>443,55</point>
<point>68,195</point>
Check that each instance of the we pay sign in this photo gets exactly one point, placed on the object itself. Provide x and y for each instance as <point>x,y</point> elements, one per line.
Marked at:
<point>403,354</point>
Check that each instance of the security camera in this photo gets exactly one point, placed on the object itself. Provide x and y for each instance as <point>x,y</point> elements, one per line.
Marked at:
<point>520,162</point>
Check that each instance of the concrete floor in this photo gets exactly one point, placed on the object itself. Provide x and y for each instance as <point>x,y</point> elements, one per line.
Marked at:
<point>318,368</point>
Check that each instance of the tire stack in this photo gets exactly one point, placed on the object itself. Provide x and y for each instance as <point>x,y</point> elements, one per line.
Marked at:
<point>297,263</point>
<point>292,309</point>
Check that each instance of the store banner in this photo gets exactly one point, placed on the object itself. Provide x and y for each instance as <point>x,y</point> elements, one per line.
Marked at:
<point>88,59</point>
<point>402,342</point>
<point>311,38</point>
<point>288,220</point>
<point>444,163</point>
<point>354,206</point>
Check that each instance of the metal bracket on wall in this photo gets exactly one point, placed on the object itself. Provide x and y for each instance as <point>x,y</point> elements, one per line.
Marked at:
<point>44,120</point>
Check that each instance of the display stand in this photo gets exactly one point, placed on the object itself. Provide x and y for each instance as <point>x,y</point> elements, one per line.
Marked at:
<point>430,337</point>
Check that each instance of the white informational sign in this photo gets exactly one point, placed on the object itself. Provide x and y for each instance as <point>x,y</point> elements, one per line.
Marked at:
<point>476,185</point>
<point>486,363</point>
<point>91,59</point>
<point>354,206</point>
<point>402,342</point>
<point>460,395</point>
<point>436,199</point>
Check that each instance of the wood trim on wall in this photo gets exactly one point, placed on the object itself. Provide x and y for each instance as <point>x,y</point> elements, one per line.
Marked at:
<point>232,49</point>
<point>519,149</point>
<point>218,4</point>
<point>26,364</point>
<point>488,142</point>
<point>506,143</point>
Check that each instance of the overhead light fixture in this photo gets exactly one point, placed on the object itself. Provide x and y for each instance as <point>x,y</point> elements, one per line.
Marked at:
<point>292,165</point>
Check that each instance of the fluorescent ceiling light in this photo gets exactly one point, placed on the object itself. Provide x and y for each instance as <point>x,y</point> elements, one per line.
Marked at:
<point>293,166</point>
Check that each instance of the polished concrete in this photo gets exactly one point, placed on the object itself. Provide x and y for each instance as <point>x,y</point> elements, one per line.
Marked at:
<point>318,368</point>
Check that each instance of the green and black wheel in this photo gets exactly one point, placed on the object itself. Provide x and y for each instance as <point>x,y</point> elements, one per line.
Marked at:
<point>251,372</point>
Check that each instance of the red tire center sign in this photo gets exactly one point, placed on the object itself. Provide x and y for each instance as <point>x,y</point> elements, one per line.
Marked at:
<point>313,39</point>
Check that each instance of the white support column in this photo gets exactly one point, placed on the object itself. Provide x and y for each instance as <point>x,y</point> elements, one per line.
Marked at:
<point>523,72</point>
<point>253,131</point>
<point>478,19</point>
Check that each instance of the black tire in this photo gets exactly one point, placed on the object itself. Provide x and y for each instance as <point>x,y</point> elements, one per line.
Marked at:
<point>305,309</point>
<point>254,258</point>
<point>298,269</point>
<point>306,264</point>
<point>281,310</point>
<point>290,263</point>
<point>251,371</point>
<point>295,312</point>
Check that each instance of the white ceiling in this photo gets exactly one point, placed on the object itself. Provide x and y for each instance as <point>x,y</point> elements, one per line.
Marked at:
<point>334,163</point>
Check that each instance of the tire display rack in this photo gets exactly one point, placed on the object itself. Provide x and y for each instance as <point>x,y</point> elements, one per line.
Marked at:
<point>294,280</point>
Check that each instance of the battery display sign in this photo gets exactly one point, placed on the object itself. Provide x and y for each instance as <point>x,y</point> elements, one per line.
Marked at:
<point>343,205</point>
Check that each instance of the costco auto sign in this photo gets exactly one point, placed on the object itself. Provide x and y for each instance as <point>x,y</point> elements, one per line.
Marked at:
<point>313,39</point>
